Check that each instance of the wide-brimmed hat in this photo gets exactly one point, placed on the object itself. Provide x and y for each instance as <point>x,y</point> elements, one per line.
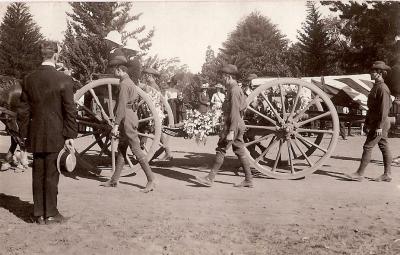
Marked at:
<point>66,161</point>
<point>115,37</point>
<point>229,69</point>
<point>219,86</point>
<point>117,57</point>
<point>132,44</point>
<point>380,65</point>
<point>152,71</point>
<point>251,76</point>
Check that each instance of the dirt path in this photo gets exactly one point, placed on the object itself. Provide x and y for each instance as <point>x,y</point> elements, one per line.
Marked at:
<point>322,214</point>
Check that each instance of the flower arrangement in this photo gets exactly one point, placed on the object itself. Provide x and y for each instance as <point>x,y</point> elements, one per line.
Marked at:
<point>200,126</point>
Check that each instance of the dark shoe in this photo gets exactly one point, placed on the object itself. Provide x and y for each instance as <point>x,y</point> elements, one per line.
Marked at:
<point>383,178</point>
<point>205,181</point>
<point>149,187</point>
<point>355,177</point>
<point>38,219</point>
<point>58,219</point>
<point>244,184</point>
<point>109,183</point>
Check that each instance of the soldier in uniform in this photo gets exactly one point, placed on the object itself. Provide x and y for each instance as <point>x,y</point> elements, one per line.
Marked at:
<point>126,124</point>
<point>234,127</point>
<point>378,124</point>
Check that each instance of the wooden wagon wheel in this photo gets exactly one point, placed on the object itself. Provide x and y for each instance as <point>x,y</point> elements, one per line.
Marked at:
<point>280,111</point>
<point>95,102</point>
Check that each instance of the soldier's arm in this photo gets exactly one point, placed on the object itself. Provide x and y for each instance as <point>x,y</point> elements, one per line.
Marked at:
<point>70,129</point>
<point>235,110</point>
<point>122,101</point>
<point>384,106</point>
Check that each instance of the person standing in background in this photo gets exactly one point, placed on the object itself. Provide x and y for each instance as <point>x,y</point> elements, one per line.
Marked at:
<point>204,100</point>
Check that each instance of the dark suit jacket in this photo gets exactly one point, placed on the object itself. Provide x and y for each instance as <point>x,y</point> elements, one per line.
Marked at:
<point>203,103</point>
<point>47,112</point>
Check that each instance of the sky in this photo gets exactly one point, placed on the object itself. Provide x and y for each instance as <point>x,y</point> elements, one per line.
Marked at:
<point>183,29</point>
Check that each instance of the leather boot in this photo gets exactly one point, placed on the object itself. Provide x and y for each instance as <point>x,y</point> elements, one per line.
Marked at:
<point>248,177</point>
<point>149,174</point>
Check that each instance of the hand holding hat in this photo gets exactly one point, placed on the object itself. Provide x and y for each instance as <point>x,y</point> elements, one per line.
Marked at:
<point>66,160</point>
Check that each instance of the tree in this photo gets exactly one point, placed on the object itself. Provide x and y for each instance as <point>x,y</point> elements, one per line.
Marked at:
<point>20,39</point>
<point>370,29</point>
<point>256,46</point>
<point>84,48</point>
<point>314,43</point>
<point>167,68</point>
<point>209,70</point>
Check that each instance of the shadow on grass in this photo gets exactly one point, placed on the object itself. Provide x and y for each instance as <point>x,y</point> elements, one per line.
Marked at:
<point>21,209</point>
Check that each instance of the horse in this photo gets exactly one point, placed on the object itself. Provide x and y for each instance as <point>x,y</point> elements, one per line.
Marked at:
<point>10,94</point>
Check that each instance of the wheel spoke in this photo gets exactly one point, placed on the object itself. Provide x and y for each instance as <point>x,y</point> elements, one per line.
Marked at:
<point>295,102</point>
<point>258,140</point>
<point>262,115</point>
<point>300,130</point>
<point>272,143</point>
<point>88,134</point>
<point>301,113</point>
<point>314,118</point>
<point>146,135</point>
<point>105,146</point>
<point>302,152</point>
<point>278,155</point>
<point>92,144</point>
<point>110,102</point>
<point>280,120</point>
<point>309,142</point>
<point>140,103</point>
<point>272,128</point>
<point>91,113</point>
<point>146,119</point>
<point>96,99</point>
<point>289,145</point>
<point>282,101</point>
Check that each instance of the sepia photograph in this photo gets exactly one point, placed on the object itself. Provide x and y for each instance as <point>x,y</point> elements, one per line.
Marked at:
<point>200,127</point>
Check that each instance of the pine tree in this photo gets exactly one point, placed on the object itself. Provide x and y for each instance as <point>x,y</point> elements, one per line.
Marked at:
<point>209,70</point>
<point>314,43</point>
<point>84,48</point>
<point>256,46</point>
<point>19,41</point>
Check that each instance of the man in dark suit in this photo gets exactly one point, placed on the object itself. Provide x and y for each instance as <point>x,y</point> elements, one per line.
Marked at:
<point>47,120</point>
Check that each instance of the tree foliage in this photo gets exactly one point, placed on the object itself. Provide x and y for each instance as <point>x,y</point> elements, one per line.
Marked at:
<point>315,44</point>
<point>209,70</point>
<point>84,48</point>
<point>256,46</point>
<point>20,39</point>
<point>369,29</point>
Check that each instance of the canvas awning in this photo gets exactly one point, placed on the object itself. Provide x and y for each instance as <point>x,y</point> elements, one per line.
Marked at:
<point>344,90</point>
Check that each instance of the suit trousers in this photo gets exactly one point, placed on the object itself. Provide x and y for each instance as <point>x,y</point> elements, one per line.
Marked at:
<point>45,179</point>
